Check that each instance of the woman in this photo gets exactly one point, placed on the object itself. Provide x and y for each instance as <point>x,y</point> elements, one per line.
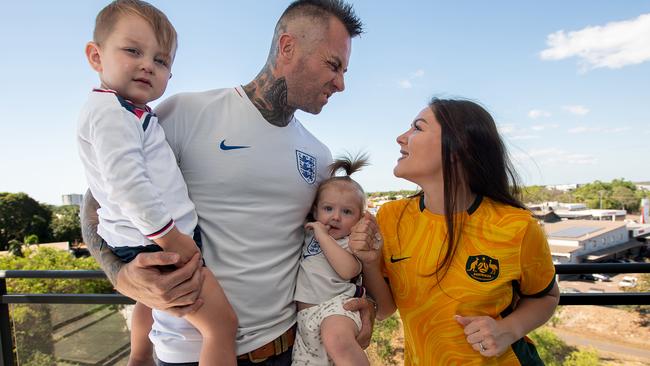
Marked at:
<point>466,265</point>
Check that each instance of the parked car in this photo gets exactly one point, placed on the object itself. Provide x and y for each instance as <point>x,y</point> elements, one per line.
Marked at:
<point>587,277</point>
<point>569,290</point>
<point>602,277</point>
<point>627,282</point>
<point>594,290</point>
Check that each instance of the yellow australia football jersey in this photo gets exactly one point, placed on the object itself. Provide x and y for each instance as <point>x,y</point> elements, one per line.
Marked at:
<point>503,250</point>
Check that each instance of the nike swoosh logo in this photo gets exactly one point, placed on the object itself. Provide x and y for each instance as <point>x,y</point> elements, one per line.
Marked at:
<point>223,146</point>
<point>395,260</point>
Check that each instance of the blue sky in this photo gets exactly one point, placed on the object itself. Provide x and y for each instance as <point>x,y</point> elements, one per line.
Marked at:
<point>567,81</point>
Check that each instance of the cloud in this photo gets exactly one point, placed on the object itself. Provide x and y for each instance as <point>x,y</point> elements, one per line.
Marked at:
<point>513,132</point>
<point>580,159</point>
<point>555,156</point>
<point>418,74</point>
<point>614,45</point>
<point>552,151</point>
<point>536,113</point>
<point>506,128</point>
<point>543,127</point>
<point>578,110</point>
<point>618,129</point>
<point>407,82</point>
<point>523,137</point>
<point>584,129</point>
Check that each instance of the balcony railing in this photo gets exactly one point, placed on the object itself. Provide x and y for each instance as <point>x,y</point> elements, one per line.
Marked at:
<point>7,352</point>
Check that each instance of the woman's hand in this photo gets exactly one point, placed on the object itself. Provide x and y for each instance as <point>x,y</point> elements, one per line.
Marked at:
<point>365,240</point>
<point>486,335</point>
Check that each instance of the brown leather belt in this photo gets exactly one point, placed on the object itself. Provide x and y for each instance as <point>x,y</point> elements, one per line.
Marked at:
<point>273,348</point>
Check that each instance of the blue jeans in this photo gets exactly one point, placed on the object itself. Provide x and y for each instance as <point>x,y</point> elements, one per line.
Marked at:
<point>283,359</point>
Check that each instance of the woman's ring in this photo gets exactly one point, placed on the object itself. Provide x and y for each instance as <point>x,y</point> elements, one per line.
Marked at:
<point>480,344</point>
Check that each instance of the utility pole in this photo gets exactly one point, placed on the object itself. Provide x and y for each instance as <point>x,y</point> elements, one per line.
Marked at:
<point>600,194</point>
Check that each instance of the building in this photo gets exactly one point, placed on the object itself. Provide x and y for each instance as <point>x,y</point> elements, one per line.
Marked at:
<point>563,187</point>
<point>645,211</point>
<point>72,199</point>
<point>643,186</point>
<point>578,241</point>
<point>612,215</point>
<point>576,211</point>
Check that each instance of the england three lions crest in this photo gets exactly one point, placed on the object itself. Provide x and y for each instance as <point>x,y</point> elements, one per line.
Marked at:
<point>306,166</point>
<point>313,248</point>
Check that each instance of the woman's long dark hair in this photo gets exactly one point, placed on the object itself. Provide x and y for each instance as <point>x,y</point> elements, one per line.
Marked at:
<point>473,153</point>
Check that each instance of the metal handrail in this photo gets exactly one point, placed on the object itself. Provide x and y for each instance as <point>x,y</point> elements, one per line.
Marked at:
<point>76,274</point>
<point>6,348</point>
<point>590,268</point>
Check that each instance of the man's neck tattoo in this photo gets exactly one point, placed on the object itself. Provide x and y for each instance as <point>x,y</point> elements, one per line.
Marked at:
<point>269,95</point>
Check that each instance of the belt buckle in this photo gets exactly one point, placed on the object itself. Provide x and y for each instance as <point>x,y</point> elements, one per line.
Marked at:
<point>256,360</point>
<point>280,345</point>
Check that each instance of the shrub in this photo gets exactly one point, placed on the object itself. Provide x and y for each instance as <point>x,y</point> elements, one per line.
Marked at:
<point>33,323</point>
<point>554,352</point>
<point>586,357</point>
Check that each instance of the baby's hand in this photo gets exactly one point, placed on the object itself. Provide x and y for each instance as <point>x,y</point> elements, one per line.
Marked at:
<point>317,227</point>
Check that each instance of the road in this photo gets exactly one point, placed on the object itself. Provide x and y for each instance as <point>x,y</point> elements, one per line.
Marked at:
<point>575,339</point>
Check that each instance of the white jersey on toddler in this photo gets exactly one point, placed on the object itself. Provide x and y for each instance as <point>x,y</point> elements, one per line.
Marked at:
<point>318,283</point>
<point>133,175</point>
<point>132,172</point>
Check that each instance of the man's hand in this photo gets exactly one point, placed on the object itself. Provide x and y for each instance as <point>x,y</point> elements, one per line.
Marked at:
<point>365,239</point>
<point>177,292</point>
<point>367,311</point>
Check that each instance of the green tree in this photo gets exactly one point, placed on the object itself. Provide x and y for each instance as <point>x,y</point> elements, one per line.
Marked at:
<point>594,194</point>
<point>619,194</point>
<point>65,223</point>
<point>539,194</point>
<point>535,194</point>
<point>626,198</point>
<point>20,216</point>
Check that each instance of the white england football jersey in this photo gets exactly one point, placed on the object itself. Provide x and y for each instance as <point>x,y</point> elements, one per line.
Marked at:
<point>253,184</point>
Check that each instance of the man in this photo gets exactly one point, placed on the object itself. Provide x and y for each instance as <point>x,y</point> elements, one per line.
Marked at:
<point>252,171</point>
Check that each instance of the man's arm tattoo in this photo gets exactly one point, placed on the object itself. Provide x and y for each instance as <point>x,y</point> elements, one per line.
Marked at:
<point>109,263</point>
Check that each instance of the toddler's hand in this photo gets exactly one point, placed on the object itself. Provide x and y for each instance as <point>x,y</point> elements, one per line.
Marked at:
<point>186,247</point>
